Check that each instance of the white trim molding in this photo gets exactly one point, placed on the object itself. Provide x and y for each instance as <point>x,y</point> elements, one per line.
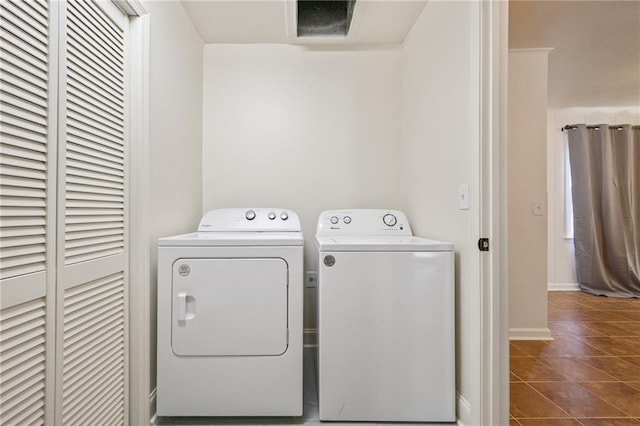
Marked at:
<point>530,334</point>
<point>493,400</point>
<point>140,409</point>
<point>563,287</point>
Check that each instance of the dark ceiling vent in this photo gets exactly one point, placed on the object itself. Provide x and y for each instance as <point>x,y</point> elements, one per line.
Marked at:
<point>324,17</point>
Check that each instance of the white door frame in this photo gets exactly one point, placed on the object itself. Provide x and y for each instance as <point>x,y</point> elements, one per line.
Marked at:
<point>139,273</point>
<point>494,392</point>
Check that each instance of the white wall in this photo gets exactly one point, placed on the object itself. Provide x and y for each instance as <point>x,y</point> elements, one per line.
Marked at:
<point>175,90</point>
<point>527,183</point>
<point>561,259</point>
<point>439,151</point>
<point>302,129</point>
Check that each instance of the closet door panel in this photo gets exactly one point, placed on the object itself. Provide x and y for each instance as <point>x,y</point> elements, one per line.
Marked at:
<point>24,132</point>
<point>93,250</point>
<point>27,206</point>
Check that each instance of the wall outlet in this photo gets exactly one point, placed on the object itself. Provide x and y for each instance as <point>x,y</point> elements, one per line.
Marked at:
<point>311,279</point>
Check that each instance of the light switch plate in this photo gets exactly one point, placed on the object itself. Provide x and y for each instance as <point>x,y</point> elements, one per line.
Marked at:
<point>538,208</point>
<point>463,196</point>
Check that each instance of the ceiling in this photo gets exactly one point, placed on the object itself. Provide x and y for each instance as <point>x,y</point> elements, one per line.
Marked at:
<point>273,21</point>
<point>595,59</point>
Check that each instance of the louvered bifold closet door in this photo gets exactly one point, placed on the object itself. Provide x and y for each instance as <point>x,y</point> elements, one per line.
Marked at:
<point>92,152</point>
<point>26,211</point>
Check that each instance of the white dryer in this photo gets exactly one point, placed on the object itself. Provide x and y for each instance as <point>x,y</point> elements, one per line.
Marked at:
<point>230,301</point>
<point>386,320</point>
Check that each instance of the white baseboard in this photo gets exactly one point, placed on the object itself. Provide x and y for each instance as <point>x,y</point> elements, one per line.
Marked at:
<point>310,337</point>
<point>530,334</point>
<point>464,410</point>
<point>563,287</point>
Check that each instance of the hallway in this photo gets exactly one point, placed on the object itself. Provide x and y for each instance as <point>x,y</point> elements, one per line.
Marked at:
<point>589,375</point>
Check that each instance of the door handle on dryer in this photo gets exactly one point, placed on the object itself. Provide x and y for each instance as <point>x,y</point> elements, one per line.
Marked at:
<point>185,307</point>
<point>181,314</point>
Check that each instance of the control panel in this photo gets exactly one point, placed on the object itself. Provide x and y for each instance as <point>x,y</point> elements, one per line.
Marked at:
<point>374,222</point>
<point>250,220</point>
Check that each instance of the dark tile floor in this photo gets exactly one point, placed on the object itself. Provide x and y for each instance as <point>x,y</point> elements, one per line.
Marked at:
<point>589,375</point>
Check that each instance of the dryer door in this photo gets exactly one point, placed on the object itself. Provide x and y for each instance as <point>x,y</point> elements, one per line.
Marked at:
<point>229,307</point>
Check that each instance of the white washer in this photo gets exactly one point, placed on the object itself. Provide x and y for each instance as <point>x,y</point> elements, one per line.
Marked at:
<point>230,316</point>
<point>386,320</point>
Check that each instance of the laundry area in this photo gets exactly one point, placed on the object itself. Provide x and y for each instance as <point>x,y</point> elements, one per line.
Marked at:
<point>300,206</point>
<point>379,119</point>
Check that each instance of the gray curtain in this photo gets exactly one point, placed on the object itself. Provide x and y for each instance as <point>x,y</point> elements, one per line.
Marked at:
<point>605,175</point>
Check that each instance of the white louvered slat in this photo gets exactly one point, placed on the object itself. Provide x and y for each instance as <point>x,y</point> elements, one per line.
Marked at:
<point>26,15</point>
<point>17,96</point>
<point>109,28</point>
<point>11,179</point>
<point>96,233</point>
<point>81,84</point>
<point>85,130</point>
<point>19,122</point>
<point>16,242</point>
<point>29,30</point>
<point>20,201</point>
<point>110,38</point>
<point>83,382</point>
<point>21,163</point>
<point>97,220</point>
<point>23,42</point>
<point>23,148</point>
<point>105,125</point>
<point>24,83</point>
<point>22,363</point>
<point>111,66</point>
<point>87,99</point>
<point>23,211</point>
<point>27,230</point>
<point>14,99</point>
<point>82,184</point>
<point>85,112</point>
<point>27,115</point>
<point>11,192</point>
<point>96,196</point>
<point>23,133</point>
<point>19,72</point>
<point>94,176</point>
<point>77,137</point>
<point>33,334</point>
<point>79,227</point>
<point>81,162</point>
<point>14,54</point>
<point>100,154</point>
<point>93,350</point>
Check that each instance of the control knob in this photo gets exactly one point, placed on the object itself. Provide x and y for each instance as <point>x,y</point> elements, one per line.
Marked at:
<point>284,216</point>
<point>250,215</point>
<point>347,219</point>
<point>389,219</point>
<point>334,219</point>
<point>271,216</point>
